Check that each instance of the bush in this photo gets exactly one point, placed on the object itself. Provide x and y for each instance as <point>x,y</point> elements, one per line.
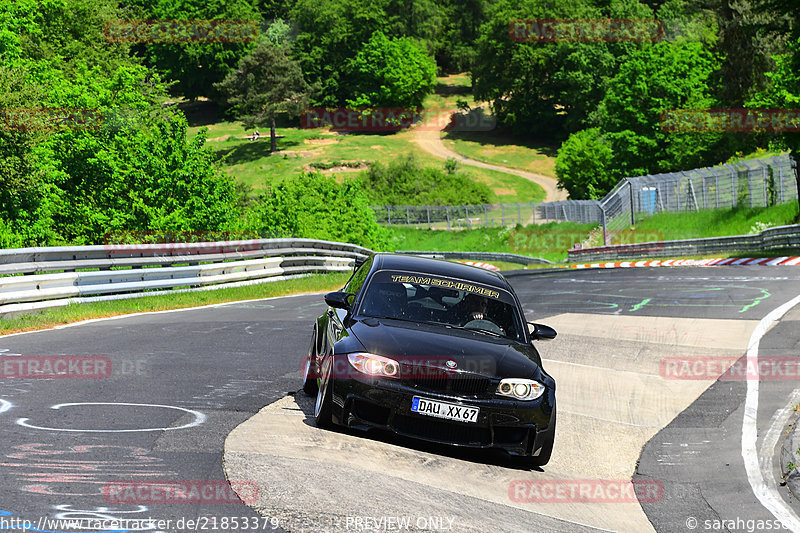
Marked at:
<point>583,165</point>
<point>406,182</point>
<point>315,206</point>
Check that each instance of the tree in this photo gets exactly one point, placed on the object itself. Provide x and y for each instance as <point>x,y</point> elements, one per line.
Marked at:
<point>390,72</point>
<point>331,33</point>
<point>783,92</point>
<point>545,89</point>
<point>197,66</point>
<point>584,163</point>
<point>655,79</point>
<point>266,82</point>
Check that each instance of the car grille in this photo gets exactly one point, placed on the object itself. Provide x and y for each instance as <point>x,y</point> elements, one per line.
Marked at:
<point>441,431</point>
<point>438,380</point>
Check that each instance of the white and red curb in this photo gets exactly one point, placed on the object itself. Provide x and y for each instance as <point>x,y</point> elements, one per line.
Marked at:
<point>735,261</point>
<point>485,266</point>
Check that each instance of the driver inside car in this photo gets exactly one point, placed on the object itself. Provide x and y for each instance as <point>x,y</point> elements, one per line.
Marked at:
<point>473,307</point>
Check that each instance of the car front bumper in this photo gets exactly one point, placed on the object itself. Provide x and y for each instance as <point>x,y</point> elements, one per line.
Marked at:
<point>519,428</point>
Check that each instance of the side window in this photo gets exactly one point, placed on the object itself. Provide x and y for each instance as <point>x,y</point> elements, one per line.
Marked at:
<point>358,278</point>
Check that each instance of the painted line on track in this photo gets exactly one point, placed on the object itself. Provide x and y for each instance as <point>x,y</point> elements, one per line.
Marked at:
<point>767,494</point>
<point>718,261</point>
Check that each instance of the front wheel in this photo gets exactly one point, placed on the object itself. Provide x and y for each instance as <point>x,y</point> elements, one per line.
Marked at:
<point>322,409</point>
<point>310,368</point>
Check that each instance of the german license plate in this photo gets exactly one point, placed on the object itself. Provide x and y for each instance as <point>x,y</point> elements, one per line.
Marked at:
<point>450,411</point>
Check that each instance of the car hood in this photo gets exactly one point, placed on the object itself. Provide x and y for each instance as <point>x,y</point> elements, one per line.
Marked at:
<point>433,345</point>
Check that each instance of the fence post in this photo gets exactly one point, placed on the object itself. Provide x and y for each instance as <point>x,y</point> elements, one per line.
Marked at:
<point>797,181</point>
<point>603,221</point>
<point>469,223</point>
<point>503,212</point>
<point>716,189</point>
<point>705,206</point>
<point>447,214</point>
<point>428,211</point>
<point>389,213</point>
<point>694,197</point>
<point>633,210</point>
<point>408,217</point>
<point>519,213</point>
<point>533,212</point>
<point>485,216</point>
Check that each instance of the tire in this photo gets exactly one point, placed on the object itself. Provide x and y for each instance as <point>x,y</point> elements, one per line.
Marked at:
<point>309,369</point>
<point>547,449</point>
<point>323,407</point>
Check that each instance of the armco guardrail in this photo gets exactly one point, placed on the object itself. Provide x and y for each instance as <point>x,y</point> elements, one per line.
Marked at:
<point>483,256</point>
<point>92,271</point>
<point>771,239</point>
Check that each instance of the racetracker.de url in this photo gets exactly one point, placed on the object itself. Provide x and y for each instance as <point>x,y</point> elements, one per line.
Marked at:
<point>200,523</point>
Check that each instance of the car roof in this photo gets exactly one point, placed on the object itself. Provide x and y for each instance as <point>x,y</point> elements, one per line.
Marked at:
<point>438,267</point>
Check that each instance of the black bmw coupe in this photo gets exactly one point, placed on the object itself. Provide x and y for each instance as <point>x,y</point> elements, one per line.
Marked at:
<point>434,350</point>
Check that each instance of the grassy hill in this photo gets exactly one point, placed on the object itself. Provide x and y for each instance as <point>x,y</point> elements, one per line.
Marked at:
<point>341,154</point>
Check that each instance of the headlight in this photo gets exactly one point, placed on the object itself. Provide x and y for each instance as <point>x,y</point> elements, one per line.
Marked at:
<point>520,389</point>
<point>373,365</point>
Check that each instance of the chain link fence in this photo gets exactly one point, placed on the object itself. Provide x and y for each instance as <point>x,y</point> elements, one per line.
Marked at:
<point>753,183</point>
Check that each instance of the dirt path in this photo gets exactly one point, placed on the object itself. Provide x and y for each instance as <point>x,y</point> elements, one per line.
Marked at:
<point>430,140</point>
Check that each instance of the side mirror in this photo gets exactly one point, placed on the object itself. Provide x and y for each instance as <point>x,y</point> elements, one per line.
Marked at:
<point>339,300</point>
<point>541,332</point>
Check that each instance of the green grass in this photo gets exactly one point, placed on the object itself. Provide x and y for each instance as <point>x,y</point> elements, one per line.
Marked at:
<point>711,223</point>
<point>547,241</point>
<point>84,311</point>
<point>501,149</point>
<point>251,163</point>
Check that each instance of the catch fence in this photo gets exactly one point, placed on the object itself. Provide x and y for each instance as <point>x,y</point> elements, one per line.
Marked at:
<point>752,183</point>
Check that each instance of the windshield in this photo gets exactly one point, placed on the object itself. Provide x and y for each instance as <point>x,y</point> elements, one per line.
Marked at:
<point>448,302</point>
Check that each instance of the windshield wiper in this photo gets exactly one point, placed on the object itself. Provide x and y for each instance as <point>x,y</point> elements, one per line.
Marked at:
<point>486,331</point>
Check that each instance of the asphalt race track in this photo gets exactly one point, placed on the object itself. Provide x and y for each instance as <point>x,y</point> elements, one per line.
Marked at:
<point>190,397</point>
